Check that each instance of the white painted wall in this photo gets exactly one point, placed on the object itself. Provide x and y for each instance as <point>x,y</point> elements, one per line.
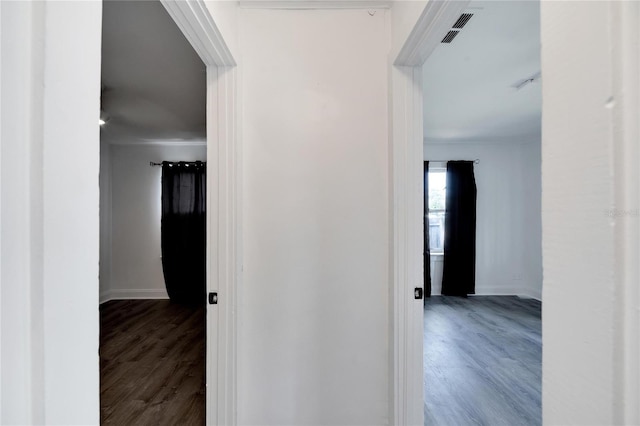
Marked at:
<point>532,276</point>
<point>508,235</point>
<point>50,151</point>
<point>590,210</point>
<point>18,78</point>
<point>134,214</point>
<point>313,314</point>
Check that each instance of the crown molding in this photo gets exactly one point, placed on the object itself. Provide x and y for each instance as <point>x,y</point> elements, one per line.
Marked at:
<point>197,25</point>
<point>434,22</point>
<point>315,4</point>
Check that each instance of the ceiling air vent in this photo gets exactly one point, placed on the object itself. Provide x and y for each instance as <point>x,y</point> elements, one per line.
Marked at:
<point>450,36</point>
<point>462,20</point>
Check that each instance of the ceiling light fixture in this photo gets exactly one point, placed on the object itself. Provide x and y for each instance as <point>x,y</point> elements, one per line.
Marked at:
<point>104,118</point>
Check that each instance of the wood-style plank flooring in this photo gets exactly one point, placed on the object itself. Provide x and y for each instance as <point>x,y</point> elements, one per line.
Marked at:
<point>152,363</point>
<point>482,360</point>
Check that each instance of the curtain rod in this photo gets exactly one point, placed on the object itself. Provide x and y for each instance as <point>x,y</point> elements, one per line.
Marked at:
<point>152,164</point>
<point>476,161</point>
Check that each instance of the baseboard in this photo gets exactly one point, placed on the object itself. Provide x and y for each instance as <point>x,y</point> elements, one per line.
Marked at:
<point>498,291</point>
<point>531,295</point>
<point>484,290</point>
<point>133,294</point>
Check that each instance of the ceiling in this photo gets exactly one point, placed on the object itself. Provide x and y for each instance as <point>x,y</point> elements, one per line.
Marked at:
<point>468,93</point>
<point>153,82</point>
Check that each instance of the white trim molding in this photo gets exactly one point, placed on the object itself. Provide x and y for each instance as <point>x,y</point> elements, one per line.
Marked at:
<point>223,221</point>
<point>407,401</point>
<point>434,22</point>
<point>127,294</point>
<point>223,273</point>
<point>407,271</point>
<point>626,92</point>
<point>197,25</point>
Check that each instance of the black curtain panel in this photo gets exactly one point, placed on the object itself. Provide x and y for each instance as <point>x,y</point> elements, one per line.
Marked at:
<point>459,269</point>
<point>427,251</point>
<point>183,237</point>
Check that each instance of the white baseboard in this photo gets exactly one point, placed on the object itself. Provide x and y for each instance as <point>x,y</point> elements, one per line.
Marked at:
<point>133,294</point>
<point>527,294</point>
<point>497,291</point>
<point>502,291</point>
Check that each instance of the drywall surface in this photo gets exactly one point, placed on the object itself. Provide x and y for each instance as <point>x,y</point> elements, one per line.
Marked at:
<point>577,197</point>
<point>313,313</point>
<point>50,151</point>
<point>135,213</point>
<point>531,160</point>
<point>70,159</point>
<point>18,78</point>
<point>508,235</point>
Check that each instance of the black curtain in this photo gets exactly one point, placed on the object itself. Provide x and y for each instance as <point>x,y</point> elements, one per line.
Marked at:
<point>427,251</point>
<point>459,269</point>
<point>184,231</point>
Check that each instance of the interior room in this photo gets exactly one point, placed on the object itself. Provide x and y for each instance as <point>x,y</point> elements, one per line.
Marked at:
<point>314,122</point>
<point>482,110</point>
<point>152,141</point>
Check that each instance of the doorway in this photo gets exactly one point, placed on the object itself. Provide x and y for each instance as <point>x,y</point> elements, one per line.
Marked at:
<point>152,313</point>
<point>482,110</point>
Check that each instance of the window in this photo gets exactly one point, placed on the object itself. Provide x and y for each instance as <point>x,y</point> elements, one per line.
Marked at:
<point>437,199</point>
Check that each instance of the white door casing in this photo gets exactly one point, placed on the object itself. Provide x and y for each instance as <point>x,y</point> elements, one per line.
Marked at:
<point>223,226</point>
<point>407,187</point>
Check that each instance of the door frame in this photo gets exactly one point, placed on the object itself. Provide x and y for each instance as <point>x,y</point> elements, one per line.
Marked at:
<point>223,224</point>
<point>407,150</point>
<point>407,393</point>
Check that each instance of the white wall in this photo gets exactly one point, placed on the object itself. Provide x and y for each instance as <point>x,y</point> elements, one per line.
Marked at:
<point>313,316</point>
<point>590,210</point>
<point>132,241</point>
<point>50,151</point>
<point>532,277</point>
<point>508,234</point>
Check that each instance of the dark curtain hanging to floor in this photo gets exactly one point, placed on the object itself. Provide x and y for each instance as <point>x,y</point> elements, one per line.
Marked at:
<point>427,251</point>
<point>184,231</point>
<point>459,269</point>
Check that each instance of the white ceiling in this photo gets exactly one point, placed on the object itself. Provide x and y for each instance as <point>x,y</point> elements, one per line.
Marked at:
<point>467,84</point>
<point>154,84</point>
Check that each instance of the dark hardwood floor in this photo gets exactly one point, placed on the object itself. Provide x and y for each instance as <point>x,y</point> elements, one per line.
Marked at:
<point>152,363</point>
<point>483,361</point>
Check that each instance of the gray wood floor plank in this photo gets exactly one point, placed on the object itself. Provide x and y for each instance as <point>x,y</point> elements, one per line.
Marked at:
<point>152,358</point>
<point>483,361</point>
